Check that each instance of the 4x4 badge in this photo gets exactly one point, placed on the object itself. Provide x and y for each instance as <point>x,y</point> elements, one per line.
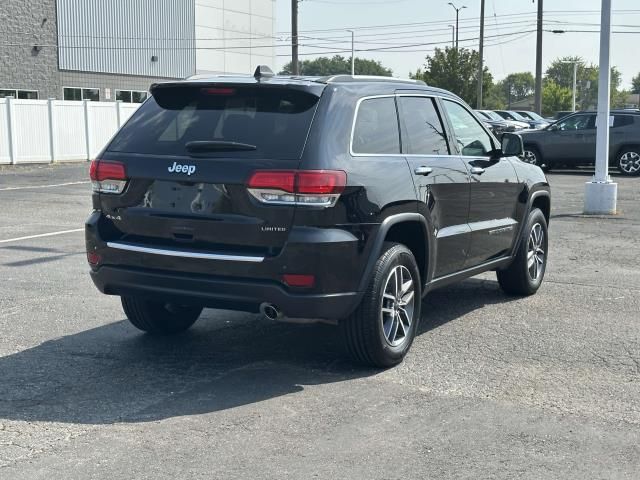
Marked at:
<point>177,168</point>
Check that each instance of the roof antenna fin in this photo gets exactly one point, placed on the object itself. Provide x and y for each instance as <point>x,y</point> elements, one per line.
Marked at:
<point>263,72</point>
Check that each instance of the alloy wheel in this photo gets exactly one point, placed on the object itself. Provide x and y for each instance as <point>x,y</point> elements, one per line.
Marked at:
<point>535,252</point>
<point>398,302</point>
<point>630,163</point>
<point>530,157</point>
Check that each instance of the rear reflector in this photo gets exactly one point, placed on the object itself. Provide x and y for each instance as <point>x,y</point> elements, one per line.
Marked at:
<point>320,188</point>
<point>301,281</point>
<point>93,258</point>
<point>108,177</point>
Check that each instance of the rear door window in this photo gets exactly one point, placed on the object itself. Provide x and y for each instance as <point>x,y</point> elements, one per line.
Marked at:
<point>275,121</point>
<point>376,128</point>
<point>422,129</point>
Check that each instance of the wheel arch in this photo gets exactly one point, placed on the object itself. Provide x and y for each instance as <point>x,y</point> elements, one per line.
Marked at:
<point>538,198</point>
<point>622,148</point>
<point>409,229</point>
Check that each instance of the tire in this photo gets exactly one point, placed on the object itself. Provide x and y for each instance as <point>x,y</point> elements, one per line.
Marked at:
<point>381,338</point>
<point>522,277</point>
<point>159,318</point>
<point>628,162</point>
<point>533,156</point>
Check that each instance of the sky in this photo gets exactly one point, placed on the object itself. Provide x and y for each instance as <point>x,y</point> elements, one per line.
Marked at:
<point>402,27</point>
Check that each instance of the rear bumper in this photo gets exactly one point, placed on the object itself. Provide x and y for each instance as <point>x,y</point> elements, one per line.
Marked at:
<point>233,282</point>
<point>222,293</point>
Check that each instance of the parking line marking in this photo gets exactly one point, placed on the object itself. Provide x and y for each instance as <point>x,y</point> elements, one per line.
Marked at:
<point>42,235</point>
<point>42,186</point>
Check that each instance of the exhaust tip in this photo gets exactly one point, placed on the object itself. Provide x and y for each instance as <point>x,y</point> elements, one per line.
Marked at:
<point>270,311</point>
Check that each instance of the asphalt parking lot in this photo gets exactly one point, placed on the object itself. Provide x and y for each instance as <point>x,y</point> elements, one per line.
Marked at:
<point>494,387</point>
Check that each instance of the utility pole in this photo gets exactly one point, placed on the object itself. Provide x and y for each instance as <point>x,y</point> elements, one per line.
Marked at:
<point>457,22</point>
<point>601,194</point>
<point>453,36</point>
<point>538,106</point>
<point>481,66</point>
<point>295,65</point>
<point>353,52</point>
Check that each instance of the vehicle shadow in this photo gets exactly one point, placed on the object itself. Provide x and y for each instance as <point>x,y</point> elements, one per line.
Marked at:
<point>113,374</point>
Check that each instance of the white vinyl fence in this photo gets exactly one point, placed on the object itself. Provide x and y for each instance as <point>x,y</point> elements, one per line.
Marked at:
<point>46,131</point>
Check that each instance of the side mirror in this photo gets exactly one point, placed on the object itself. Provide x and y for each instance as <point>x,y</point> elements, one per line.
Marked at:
<point>512,145</point>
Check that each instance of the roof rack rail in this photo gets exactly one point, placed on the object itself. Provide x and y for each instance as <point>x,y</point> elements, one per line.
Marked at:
<point>366,78</point>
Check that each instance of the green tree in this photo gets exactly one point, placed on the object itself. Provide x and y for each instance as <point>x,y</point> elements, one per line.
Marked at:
<point>457,71</point>
<point>493,98</point>
<point>555,98</point>
<point>561,73</point>
<point>338,65</point>
<point>635,84</point>
<point>518,86</point>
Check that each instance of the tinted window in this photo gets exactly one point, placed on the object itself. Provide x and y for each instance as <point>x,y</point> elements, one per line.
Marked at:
<point>622,120</point>
<point>422,130</point>
<point>275,121</point>
<point>28,94</point>
<point>472,139</point>
<point>376,130</point>
<point>577,122</point>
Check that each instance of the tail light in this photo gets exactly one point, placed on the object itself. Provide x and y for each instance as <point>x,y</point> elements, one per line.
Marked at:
<point>316,188</point>
<point>108,177</point>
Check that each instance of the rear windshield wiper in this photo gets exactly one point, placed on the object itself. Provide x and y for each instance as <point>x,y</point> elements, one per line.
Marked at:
<point>218,146</point>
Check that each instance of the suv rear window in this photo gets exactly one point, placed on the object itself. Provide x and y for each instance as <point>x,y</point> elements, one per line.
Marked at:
<point>274,120</point>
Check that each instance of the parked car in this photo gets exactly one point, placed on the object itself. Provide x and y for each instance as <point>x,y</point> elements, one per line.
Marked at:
<point>545,122</point>
<point>497,127</point>
<point>514,116</point>
<point>563,114</point>
<point>337,199</point>
<point>572,142</point>
<point>496,119</point>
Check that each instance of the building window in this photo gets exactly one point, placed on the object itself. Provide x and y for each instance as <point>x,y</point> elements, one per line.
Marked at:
<point>131,96</point>
<point>74,93</point>
<point>20,94</point>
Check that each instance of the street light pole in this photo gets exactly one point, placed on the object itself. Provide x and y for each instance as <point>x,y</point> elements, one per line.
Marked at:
<point>353,52</point>
<point>575,84</point>
<point>575,80</point>
<point>601,194</point>
<point>481,62</point>
<point>457,22</point>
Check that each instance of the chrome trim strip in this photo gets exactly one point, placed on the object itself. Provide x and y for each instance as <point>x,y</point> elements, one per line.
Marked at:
<point>184,254</point>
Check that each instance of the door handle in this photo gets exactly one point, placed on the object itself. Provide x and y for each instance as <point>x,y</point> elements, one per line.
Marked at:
<point>477,170</point>
<point>423,171</point>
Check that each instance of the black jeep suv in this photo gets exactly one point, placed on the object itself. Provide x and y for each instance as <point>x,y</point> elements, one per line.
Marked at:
<point>342,199</point>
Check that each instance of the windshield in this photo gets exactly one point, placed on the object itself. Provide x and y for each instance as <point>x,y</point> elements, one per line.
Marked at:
<point>226,121</point>
<point>517,116</point>
<point>493,115</point>
<point>533,116</point>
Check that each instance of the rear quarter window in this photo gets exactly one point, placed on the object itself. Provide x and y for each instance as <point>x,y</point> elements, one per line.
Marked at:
<point>276,121</point>
<point>622,120</point>
<point>376,128</point>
